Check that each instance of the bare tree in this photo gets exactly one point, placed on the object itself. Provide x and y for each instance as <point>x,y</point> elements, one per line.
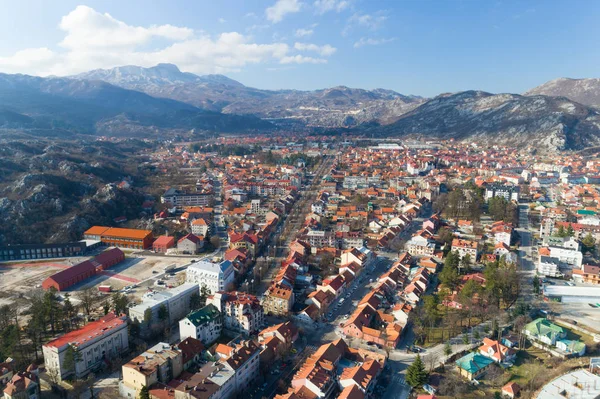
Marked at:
<point>431,360</point>
<point>89,298</point>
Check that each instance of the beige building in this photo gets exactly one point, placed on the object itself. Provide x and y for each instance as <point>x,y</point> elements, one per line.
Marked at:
<point>278,300</point>
<point>160,363</point>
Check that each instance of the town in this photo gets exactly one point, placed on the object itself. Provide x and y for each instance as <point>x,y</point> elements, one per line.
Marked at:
<point>302,267</point>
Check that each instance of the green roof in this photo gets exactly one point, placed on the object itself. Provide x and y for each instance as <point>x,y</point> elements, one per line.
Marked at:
<point>473,362</point>
<point>573,346</point>
<point>585,212</point>
<point>542,327</point>
<point>204,315</point>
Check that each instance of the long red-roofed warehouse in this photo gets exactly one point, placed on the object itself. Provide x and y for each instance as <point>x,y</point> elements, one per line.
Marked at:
<point>75,274</point>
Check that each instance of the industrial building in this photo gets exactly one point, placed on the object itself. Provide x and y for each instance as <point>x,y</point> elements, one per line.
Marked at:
<point>119,237</point>
<point>84,270</point>
<point>42,251</point>
<point>569,294</point>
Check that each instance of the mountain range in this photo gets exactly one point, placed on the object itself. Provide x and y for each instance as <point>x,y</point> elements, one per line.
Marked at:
<point>132,100</point>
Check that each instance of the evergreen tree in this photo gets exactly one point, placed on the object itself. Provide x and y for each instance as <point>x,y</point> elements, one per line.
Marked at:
<point>416,375</point>
<point>570,231</point>
<point>588,242</point>
<point>195,301</point>
<point>72,356</point>
<point>561,232</point>
<point>144,393</point>
<point>447,349</point>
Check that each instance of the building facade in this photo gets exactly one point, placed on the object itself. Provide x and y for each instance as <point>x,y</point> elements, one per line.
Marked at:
<point>204,324</point>
<point>214,276</point>
<point>96,342</point>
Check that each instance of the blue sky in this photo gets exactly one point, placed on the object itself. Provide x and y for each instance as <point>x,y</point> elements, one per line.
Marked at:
<point>414,47</point>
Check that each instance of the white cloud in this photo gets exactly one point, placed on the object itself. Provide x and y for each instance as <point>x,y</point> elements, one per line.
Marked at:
<point>300,59</point>
<point>368,41</point>
<point>323,6</point>
<point>368,21</point>
<point>95,40</point>
<point>324,51</point>
<point>281,8</point>
<point>304,32</point>
<point>222,20</point>
<point>88,29</point>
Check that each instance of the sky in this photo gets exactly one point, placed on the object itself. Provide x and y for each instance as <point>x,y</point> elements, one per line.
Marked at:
<point>421,47</point>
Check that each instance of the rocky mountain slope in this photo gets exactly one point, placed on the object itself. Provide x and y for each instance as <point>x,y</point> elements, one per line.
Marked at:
<point>334,107</point>
<point>93,106</point>
<point>53,190</point>
<point>552,123</point>
<point>584,91</point>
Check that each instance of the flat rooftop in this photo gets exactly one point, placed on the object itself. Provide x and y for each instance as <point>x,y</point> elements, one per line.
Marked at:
<point>580,384</point>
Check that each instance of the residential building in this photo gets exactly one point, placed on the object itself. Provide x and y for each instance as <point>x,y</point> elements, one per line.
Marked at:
<point>189,244</point>
<point>23,385</point>
<point>472,365</point>
<point>214,276</point>
<point>241,312</point>
<point>465,247</point>
<point>587,274</point>
<point>205,324</point>
<point>549,266</point>
<point>278,300</point>
<point>96,342</point>
<point>508,192</point>
<point>212,381</point>
<point>200,227</point>
<point>161,363</point>
<point>419,245</point>
<point>496,351</point>
<point>191,351</point>
<point>569,256</point>
<point>243,361</point>
<point>544,331</point>
<point>175,300</point>
<point>181,199</point>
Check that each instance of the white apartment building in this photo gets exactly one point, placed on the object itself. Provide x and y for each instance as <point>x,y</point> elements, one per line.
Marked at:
<point>567,255</point>
<point>548,266</point>
<point>176,300</point>
<point>95,342</point>
<point>204,324</point>
<point>200,227</point>
<point>241,312</point>
<point>215,276</point>
<point>419,245</point>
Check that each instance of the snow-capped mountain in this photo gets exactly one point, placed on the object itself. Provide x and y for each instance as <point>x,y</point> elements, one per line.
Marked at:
<point>333,107</point>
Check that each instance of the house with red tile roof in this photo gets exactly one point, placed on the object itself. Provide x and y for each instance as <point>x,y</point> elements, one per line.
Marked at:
<point>496,351</point>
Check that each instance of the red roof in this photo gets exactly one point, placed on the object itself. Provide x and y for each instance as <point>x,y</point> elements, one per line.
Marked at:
<point>107,257</point>
<point>164,241</point>
<point>90,331</point>
<point>190,237</point>
<point>66,275</point>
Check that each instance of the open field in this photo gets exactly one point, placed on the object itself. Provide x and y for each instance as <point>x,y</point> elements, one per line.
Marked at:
<point>20,278</point>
